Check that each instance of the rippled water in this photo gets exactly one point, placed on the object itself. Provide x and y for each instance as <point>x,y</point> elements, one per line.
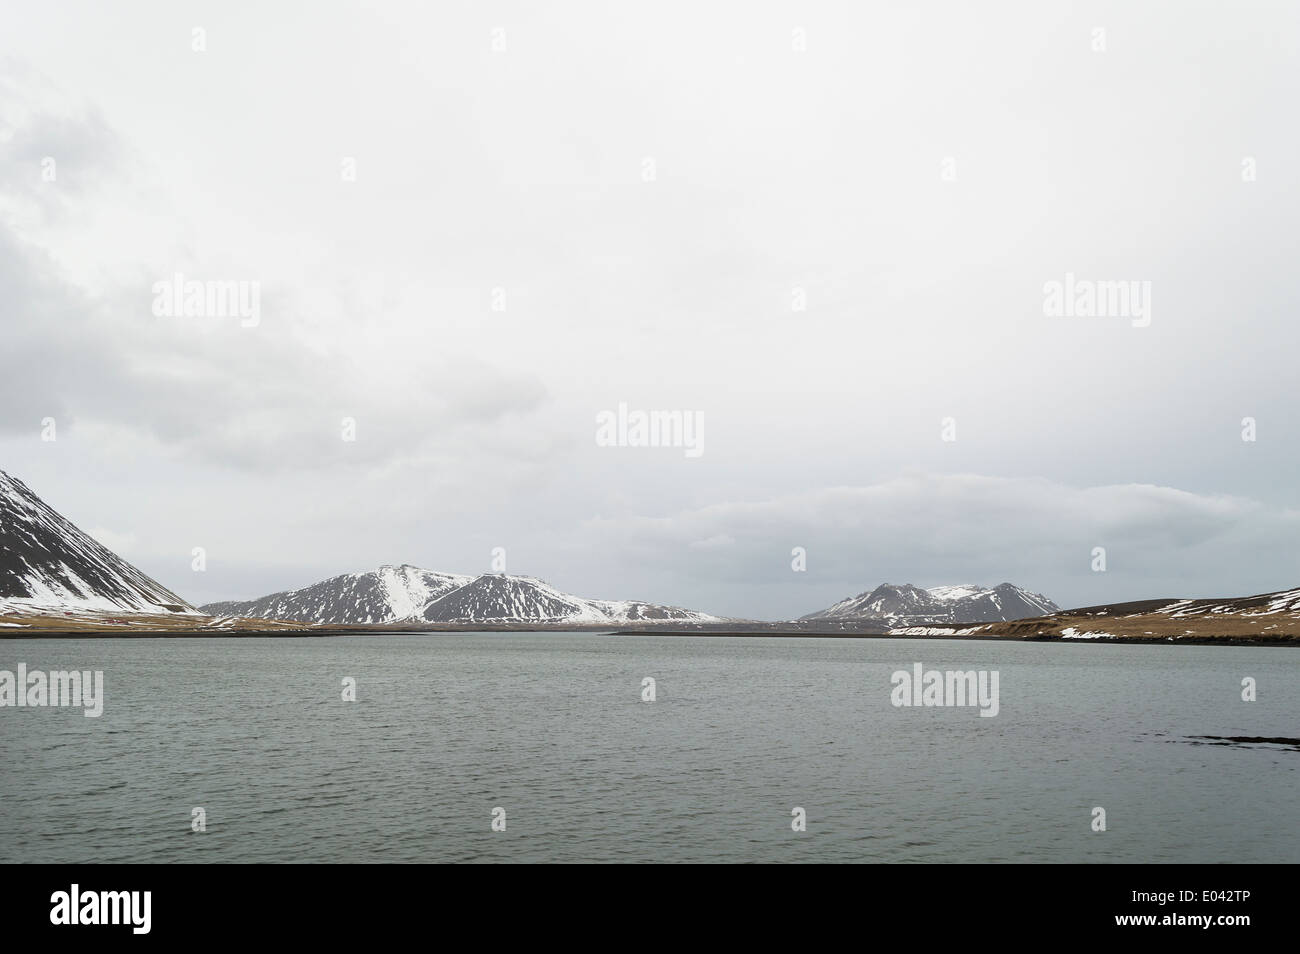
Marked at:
<point>551,727</point>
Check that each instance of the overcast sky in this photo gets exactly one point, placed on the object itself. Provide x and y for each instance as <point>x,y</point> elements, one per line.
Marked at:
<point>561,207</point>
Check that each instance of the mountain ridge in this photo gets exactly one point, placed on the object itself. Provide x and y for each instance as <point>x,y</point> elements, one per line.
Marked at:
<point>908,605</point>
<point>47,562</point>
<point>411,594</point>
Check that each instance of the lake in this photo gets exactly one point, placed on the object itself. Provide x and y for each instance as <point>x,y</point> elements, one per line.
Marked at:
<point>551,728</point>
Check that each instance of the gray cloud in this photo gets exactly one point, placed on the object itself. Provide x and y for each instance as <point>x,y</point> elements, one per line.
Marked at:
<point>930,529</point>
<point>52,157</point>
<point>267,397</point>
<point>776,171</point>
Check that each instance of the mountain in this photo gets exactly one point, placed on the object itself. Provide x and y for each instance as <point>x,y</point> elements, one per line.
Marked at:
<point>408,594</point>
<point>47,564</point>
<point>388,595</point>
<point>908,605</point>
<point>1264,618</point>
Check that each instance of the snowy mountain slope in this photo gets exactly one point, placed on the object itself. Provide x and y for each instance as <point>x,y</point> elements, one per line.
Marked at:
<point>1282,605</point>
<point>907,605</point>
<point>413,595</point>
<point>1263,618</point>
<point>387,595</point>
<point>46,563</point>
<point>510,598</point>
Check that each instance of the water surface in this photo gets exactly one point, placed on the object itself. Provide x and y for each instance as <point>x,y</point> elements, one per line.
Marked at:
<point>551,727</point>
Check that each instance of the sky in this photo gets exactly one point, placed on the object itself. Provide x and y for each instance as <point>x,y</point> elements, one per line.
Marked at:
<point>825,233</point>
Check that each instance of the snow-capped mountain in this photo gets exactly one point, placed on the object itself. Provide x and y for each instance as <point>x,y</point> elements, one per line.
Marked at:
<point>908,605</point>
<point>48,565</point>
<point>387,595</point>
<point>408,594</point>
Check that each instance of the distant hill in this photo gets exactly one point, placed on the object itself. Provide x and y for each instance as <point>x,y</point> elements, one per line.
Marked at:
<point>907,605</point>
<point>1266,617</point>
<point>409,594</point>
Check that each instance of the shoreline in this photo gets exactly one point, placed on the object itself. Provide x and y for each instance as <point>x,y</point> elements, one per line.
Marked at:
<point>321,633</point>
<point>993,637</point>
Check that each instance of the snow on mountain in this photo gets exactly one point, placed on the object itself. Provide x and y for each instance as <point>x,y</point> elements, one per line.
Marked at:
<point>495,598</point>
<point>1282,605</point>
<point>47,564</point>
<point>907,605</point>
<point>947,593</point>
<point>408,594</point>
<point>1262,618</point>
<point>409,589</point>
<point>387,595</point>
